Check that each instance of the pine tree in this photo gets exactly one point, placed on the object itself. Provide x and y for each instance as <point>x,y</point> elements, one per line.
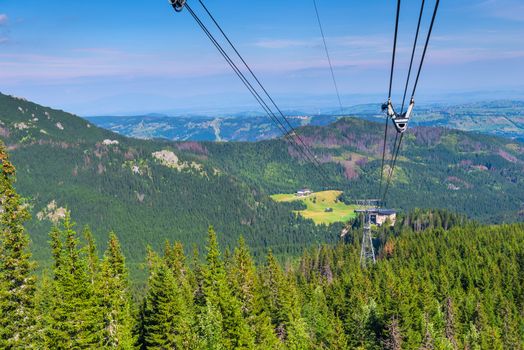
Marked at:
<point>76,316</point>
<point>165,318</point>
<point>394,337</point>
<point>93,262</point>
<point>450,322</point>
<point>246,287</point>
<point>284,306</point>
<point>115,298</point>
<point>236,334</point>
<point>17,282</point>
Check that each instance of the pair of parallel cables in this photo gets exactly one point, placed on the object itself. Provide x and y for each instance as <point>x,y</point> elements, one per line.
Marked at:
<point>255,87</point>
<point>398,140</point>
<point>277,116</point>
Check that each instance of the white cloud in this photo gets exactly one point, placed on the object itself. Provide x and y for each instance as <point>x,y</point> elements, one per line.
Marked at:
<point>512,10</point>
<point>282,43</point>
<point>353,42</point>
<point>3,19</point>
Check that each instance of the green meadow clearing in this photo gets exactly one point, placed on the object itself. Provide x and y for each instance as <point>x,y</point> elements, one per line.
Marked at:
<point>317,203</point>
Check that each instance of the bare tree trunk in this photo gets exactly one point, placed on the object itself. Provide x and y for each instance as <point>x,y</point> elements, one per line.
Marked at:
<point>394,340</point>
<point>450,323</point>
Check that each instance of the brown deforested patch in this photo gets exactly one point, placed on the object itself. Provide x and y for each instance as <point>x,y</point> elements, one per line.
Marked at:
<point>193,147</point>
<point>130,154</point>
<point>509,157</point>
<point>101,168</point>
<point>4,132</point>
<point>480,167</point>
<point>350,170</point>
<point>457,181</point>
<point>389,249</point>
<point>428,137</point>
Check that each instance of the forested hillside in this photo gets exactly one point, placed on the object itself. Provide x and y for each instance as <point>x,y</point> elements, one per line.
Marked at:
<point>148,191</point>
<point>437,167</point>
<point>433,288</point>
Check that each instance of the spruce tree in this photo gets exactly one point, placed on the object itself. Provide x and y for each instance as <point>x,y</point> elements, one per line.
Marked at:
<point>17,282</point>
<point>165,318</point>
<point>449,314</point>
<point>284,306</point>
<point>43,307</point>
<point>93,262</point>
<point>321,321</point>
<point>115,298</point>
<point>175,259</point>
<point>210,326</point>
<point>76,317</point>
<point>236,334</point>
<point>247,287</point>
<point>394,337</point>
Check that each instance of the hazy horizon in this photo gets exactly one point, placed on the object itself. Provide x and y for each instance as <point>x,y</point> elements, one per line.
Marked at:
<point>99,57</point>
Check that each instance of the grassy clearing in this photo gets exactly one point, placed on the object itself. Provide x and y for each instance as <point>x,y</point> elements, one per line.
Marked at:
<point>317,203</point>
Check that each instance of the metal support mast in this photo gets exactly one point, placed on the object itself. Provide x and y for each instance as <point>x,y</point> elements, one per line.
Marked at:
<point>367,252</point>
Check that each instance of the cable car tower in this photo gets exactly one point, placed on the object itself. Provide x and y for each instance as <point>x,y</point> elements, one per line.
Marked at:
<point>367,251</point>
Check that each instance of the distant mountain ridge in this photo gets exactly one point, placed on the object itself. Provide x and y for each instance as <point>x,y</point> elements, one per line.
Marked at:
<point>239,127</point>
<point>503,118</point>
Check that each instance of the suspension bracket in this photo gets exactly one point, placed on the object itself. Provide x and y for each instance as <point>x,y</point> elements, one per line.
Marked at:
<point>178,5</point>
<point>400,121</point>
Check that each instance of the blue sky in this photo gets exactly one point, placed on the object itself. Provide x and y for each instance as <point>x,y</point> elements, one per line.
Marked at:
<point>137,56</point>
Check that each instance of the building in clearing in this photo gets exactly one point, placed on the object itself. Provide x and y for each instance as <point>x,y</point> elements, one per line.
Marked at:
<point>304,192</point>
<point>380,216</point>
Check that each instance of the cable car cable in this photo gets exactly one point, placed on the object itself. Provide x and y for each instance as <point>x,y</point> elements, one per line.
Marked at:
<point>241,76</point>
<point>389,96</point>
<point>413,92</point>
<point>412,56</point>
<point>394,49</point>
<point>426,46</point>
<point>328,57</point>
<point>312,156</point>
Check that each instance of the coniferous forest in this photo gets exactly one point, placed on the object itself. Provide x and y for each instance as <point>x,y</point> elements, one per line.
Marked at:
<point>440,283</point>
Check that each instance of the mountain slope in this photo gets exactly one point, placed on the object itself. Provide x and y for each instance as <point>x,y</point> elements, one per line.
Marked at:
<point>147,191</point>
<point>438,167</point>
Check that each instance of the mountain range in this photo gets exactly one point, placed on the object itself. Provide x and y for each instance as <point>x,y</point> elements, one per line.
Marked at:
<point>152,190</point>
<point>502,118</point>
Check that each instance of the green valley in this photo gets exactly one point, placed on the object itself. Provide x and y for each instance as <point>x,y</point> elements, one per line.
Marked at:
<point>323,207</point>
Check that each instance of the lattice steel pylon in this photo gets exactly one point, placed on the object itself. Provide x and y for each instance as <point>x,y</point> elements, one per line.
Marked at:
<point>367,252</point>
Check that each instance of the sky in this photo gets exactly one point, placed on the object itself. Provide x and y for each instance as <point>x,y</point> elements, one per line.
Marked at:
<point>103,57</point>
